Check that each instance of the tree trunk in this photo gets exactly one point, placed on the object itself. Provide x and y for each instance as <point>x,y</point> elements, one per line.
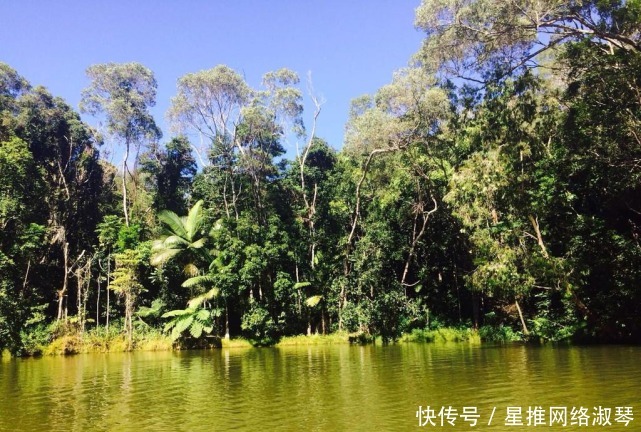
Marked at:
<point>226,321</point>
<point>475,310</point>
<point>124,183</point>
<point>98,302</point>
<point>108,287</point>
<point>65,280</point>
<point>526,332</point>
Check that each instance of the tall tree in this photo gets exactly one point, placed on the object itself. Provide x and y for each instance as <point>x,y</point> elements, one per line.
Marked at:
<point>409,111</point>
<point>65,148</point>
<point>244,127</point>
<point>480,39</point>
<point>123,93</point>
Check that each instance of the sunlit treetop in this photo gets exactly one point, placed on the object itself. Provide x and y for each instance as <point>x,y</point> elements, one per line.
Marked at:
<point>411,105</point>
<point>123,93</point>
<point>481,39</point>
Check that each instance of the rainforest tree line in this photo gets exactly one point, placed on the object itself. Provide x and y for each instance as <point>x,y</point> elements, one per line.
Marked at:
<point>494,183</point>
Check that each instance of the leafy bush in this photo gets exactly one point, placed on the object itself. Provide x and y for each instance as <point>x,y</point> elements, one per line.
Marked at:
<point>499,334</point>
<point>443,334</point>
<point>259,327</point>
<point>34,340</point>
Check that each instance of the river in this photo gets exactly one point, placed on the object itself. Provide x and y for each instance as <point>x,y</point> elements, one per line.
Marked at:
<point>328,388</point>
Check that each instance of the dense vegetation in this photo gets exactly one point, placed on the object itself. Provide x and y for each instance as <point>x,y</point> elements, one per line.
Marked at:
<point>494,184</point>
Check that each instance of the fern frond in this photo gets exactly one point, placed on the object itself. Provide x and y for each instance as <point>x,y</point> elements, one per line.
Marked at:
<point>184,323</point>
<point>196,329</point>
<point>191,270</point>
<point>196,301</point>
<point>203,315</point>
<point>176,312</point>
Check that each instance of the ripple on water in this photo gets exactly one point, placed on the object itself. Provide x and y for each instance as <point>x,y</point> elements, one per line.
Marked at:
<point>321,388</point>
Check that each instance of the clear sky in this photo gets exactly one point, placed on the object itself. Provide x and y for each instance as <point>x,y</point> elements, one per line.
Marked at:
<point>351,47</point>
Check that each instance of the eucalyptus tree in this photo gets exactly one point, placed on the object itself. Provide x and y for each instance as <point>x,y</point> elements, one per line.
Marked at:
<point>123,93</point>
<point>481,39</point>
<point>12,85</point>
<point>210,103</point>
<point>244,127</point>
<point>545,177</point>
<point>408,112</point>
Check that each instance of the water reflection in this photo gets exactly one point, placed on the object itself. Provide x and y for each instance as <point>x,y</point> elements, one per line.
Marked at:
<point>309,388</point>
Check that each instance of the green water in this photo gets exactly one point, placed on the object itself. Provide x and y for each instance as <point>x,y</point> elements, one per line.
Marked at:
<point>327,388</point>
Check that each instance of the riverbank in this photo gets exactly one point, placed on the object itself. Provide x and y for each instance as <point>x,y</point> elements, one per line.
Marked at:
<point>102,340</point>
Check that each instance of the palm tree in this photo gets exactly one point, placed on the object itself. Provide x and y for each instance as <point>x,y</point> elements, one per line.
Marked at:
<point>183,236</point>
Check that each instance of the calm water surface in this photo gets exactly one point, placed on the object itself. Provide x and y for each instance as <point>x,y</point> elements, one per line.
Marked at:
<point>328,388</point>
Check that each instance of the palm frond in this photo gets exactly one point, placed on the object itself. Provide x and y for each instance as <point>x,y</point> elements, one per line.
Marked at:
<point>196,301</point>
<point>173,240</point>
<point>198,243</point>
<point>198,280</point>
<point>191,270</point>
<point>173,222</point>
<point>162,256</point>
<point>194,219</point>
<point>313,300</point>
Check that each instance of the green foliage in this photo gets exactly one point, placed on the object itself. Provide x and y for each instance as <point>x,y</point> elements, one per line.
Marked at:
<point>511,205</point>
<point>125,276</point>
<point>495,38</point>
<point>171,173</point>
<point>128,237</point>
<point>194,319</point>
<point>109,232</point>
<point>123,92</point>
<point>197,318</point>
<point>182,236</point>
<point>151,313</point>
<point>443,335</point>
<point>499,334</point>
<point>259,326</point>
<point>313,300</point>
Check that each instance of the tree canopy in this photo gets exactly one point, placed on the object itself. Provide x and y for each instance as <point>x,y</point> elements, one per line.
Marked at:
<point>492,185</point>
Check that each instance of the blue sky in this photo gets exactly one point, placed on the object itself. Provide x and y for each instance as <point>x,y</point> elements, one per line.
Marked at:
<point>351,47</point>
